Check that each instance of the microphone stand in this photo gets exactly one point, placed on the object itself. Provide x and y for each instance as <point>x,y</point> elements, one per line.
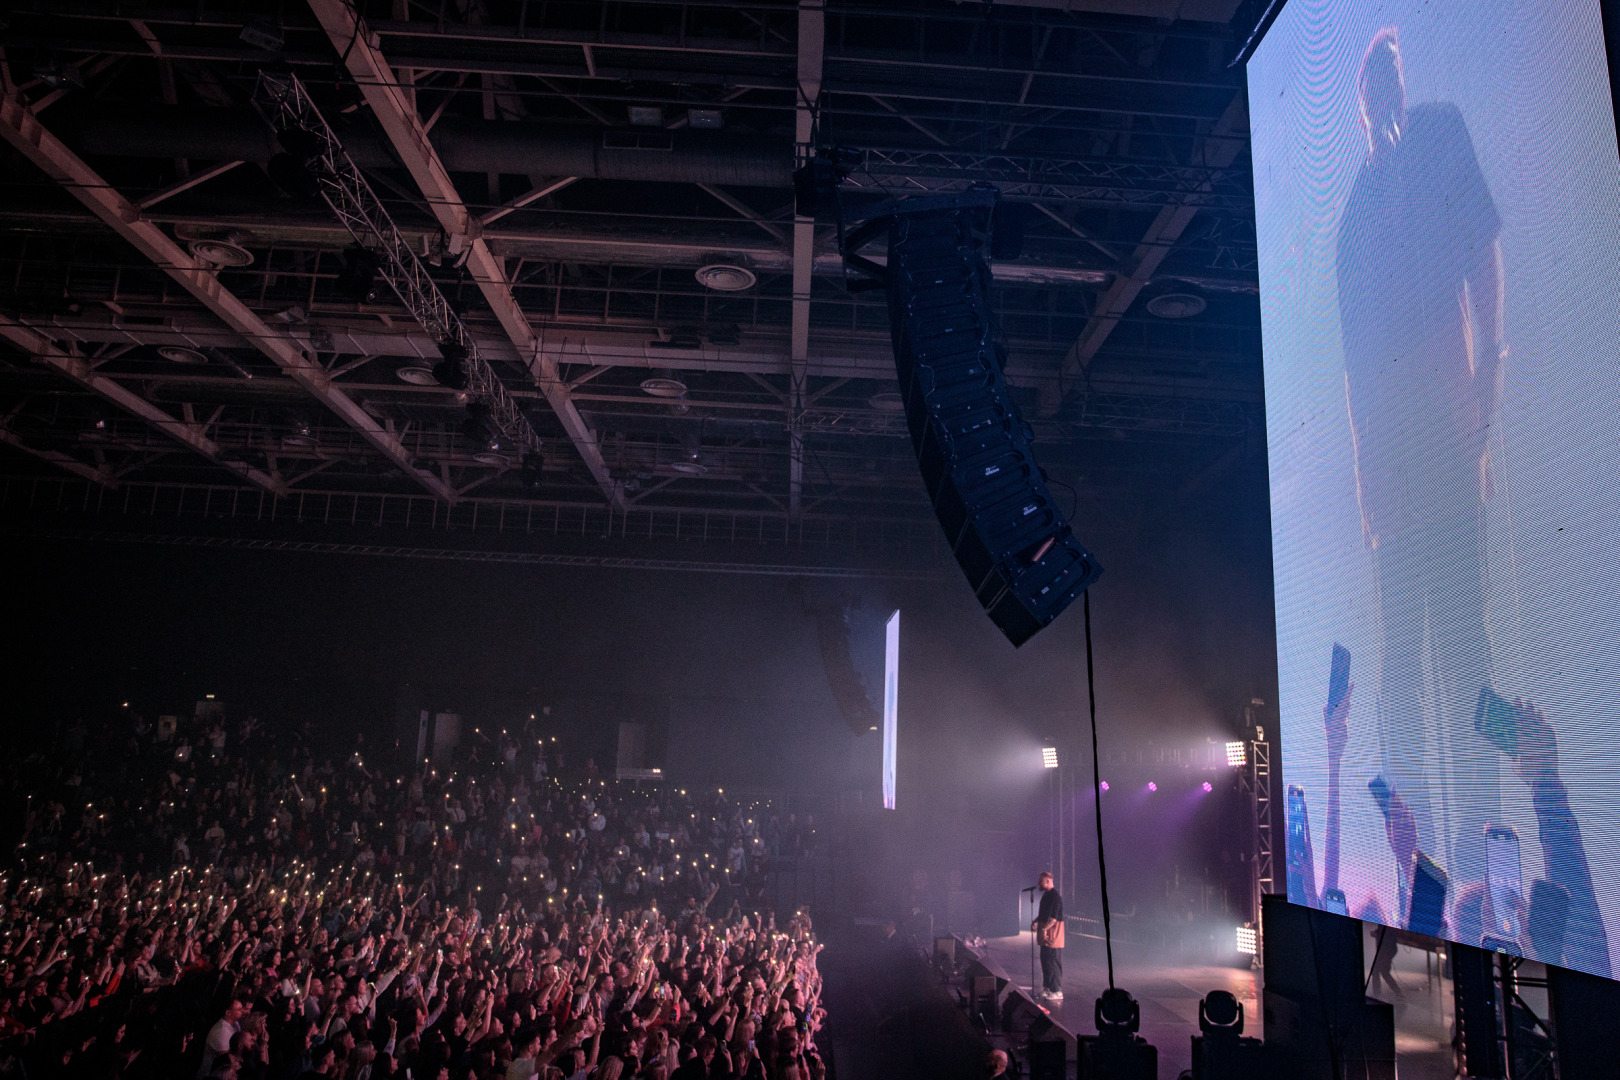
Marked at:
<point>1032,933</point>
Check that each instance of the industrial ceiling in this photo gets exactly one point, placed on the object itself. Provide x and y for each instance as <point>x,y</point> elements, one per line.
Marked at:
<point>603,192</point>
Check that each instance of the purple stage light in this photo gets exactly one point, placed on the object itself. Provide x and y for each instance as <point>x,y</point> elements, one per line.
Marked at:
<point>1208,786</point>
<point>1105,785</point>
<point>1152,786</point>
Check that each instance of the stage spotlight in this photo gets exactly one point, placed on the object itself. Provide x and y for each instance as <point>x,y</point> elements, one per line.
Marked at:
<point>451,371</point>
<point>357,279</point>
<point>1105,785</point>
<point>1222,1012</point>
<point>59,74</point>
<point>534,464</point>
<point>480,427</point>
<point>1049,758</point>
<point>1248,943</point>
<point>1152,786</point>
<point>1237,755</point>
<point>293,176</point>
<point>1208,786</point>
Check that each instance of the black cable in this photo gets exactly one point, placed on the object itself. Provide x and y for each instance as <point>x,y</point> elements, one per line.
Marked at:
<point>1096,791</point>
<point>1074,496</point>
<point>1382,930</point>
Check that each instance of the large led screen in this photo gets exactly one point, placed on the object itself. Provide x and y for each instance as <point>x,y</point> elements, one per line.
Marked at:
<point>1437,197</point>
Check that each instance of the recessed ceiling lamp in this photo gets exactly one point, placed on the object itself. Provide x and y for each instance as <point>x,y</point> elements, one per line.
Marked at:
<point>179,354</point>
<point>220,253</point>
<point>689,468</point>
<point>887,401</point>
<point>416,375</point>
<point>490,457</point>
<point>664,386</point>
<point>1176,305</point>
<point>726,277</point>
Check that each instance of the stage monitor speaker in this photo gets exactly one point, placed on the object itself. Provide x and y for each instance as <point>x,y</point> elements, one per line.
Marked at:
<point>981,1000</point>
<point>1047,1060</point>
<point>1010,538</point>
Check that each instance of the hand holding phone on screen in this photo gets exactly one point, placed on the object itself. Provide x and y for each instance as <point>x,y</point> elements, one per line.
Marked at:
<point>1504,883</point>
<point>1429,887</point>
<point>1497,721</point>
<point>1336,713</point>
<point>1301,861</point>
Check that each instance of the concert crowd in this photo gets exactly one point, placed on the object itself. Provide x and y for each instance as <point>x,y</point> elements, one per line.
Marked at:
<point>205,898</point>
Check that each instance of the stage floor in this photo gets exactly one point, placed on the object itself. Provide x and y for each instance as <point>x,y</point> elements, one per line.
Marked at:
<point>1169,992</point>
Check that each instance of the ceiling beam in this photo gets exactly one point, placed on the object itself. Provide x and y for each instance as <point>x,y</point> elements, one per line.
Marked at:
<point>867,356</point>
<point>1217,150</point>
<point>22,129</point>
<point>101,475</point>
<point>77,368</point>
<point>409,138</point>
<point>742,209</point>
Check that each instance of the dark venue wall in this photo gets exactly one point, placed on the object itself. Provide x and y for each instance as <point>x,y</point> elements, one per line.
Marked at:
<point>730,663</point>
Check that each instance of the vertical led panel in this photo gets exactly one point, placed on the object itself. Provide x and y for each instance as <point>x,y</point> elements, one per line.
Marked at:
<point>1437,218</point>
<point>891,718</point>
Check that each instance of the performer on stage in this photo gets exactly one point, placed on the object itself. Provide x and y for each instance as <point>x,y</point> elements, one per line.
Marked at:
<point>1048,927</point>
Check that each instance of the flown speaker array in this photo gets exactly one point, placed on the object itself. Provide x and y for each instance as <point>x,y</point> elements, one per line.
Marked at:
<point>974,449</point>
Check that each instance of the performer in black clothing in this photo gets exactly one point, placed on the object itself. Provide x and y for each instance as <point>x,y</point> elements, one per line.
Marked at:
<point>1420,283</point>
<point>1048,927</point>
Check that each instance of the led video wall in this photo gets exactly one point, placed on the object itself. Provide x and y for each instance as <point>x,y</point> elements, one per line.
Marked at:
<point>1437,195</point>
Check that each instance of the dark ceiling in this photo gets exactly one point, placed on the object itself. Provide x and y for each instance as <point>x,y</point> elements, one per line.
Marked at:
<point>595,157</point>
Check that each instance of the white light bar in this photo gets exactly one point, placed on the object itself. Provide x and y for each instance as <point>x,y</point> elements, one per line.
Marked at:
<point>1049,757</point>
<point>1247,942</point>
<point>1237,755</point>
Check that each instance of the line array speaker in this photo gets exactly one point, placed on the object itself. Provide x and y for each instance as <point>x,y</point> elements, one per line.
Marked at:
<point>973,447</point>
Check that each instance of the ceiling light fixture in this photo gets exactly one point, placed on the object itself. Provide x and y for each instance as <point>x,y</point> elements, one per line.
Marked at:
<point>725,277</point>
<point>302,433</point>
<point>664,385</point>
<point>416,375</point>
<point>180,354</point>
<point>1177,305</point>
<point>263,33</point>
<point>705,119</point>
<point>220,254</point>
<point>646,116</point>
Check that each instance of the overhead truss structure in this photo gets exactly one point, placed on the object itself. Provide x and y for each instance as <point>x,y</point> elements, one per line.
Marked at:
<point>595,201</point>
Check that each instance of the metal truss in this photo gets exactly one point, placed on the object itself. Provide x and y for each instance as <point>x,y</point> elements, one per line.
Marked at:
<point>1051,178</point>
<point>520,558</point>
<point>1169,415</point>
<point>222,515</point>
<point>286,104</point>
<point>1255,779</point>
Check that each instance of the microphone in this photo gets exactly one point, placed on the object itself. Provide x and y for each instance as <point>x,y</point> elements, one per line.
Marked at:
<point>1032,888</point>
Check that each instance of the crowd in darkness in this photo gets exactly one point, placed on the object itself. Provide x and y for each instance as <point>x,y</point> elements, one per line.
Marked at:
<point>205,898</point>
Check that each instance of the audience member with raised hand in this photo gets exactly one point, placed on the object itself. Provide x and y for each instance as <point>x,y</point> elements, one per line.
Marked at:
<point>254,909</point>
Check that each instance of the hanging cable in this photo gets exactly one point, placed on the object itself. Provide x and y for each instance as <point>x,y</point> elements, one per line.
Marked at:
<point>1096,792</point>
